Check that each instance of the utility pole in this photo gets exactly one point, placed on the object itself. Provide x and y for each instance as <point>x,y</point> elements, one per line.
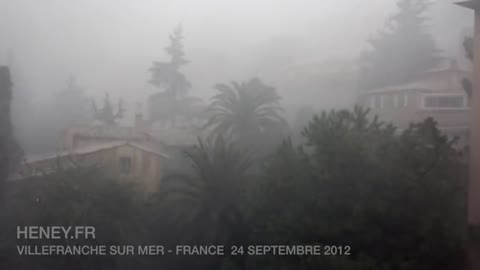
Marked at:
<point>473,244</point>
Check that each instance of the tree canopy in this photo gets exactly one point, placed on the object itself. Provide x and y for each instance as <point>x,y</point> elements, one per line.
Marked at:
<point>108,114</point>
<point>401,51</point>
<point>358,182</point>
<point>71,197</point>
<point>168,77</point>
<point>245,112</point>
<point>396,199</point>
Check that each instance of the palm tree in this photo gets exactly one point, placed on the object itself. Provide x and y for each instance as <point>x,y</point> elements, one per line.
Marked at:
<point>245,111</point>
<point>207,206</point>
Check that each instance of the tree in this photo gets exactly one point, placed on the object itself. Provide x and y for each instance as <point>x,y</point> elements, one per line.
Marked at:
<point>191,108</point>
<point>209,202</point>
<point>67,107</point>
<point>360,183</point>
<point>70,108</point>
<point>71,103</point>
<point>73,197</point>
<point>5,124</point>
<point>107,114</point>
<point>24,110</point>
<point>402,51</point>
<point>168,77</point>
<point>10,152</point>
<point>245,113</point>
<point>302,117</point>
<point>188,108</point>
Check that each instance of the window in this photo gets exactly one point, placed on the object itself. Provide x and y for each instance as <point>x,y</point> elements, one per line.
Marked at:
<point>372,102</point>
<point>405,100</point>
<point>444,101</point>
<point>395,101</point>
<point>125,165</point>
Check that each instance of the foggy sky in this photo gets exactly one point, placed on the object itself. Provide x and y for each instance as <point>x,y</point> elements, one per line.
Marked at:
<point>110,44</point>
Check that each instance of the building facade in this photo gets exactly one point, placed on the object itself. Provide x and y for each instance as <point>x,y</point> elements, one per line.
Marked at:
<point>124,160</point>
<point>138,153</point>
<point>438,94</point>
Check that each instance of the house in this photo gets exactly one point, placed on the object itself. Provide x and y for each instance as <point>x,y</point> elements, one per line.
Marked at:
<point>93,134</point>
<point>96,133</point>
<point>138,153</point>
<point>126,160</point>
<point>437,93</point>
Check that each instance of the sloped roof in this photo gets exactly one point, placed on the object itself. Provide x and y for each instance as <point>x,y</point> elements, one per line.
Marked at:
<point>427,86</point>
<point>111,132</point>
<point>427,82</point>
<point>147,147</point>
<point>473,4</point>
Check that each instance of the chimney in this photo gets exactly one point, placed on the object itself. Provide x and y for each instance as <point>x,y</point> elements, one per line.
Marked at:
<point>139,123</point>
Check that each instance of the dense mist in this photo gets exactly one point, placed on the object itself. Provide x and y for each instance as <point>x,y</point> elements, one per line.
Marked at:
<point>280,131</point>
<point>109,45</point>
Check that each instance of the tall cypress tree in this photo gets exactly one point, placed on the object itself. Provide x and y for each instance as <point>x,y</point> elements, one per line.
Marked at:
<point>402,50</point>
<point>175,49</point>
<point>167,75</point>
<point>5,122</point>
<point>10,152</point>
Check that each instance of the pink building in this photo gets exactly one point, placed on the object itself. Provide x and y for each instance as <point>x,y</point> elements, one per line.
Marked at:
<point>437,93</point>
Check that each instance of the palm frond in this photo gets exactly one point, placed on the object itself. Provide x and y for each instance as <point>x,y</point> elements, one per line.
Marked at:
<point>242,108</point>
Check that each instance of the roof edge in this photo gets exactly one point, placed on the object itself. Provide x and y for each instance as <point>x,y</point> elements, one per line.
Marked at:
<point>472,4</point>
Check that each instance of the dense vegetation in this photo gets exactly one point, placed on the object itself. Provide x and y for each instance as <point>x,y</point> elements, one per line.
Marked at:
<point>395,197</point>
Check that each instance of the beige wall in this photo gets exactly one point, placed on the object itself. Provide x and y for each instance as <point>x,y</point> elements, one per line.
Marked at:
<point>146,167</point>
<point>414,111</point>
<point>402,116</point>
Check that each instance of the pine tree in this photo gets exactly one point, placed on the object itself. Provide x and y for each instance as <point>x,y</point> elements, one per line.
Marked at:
<point>168,77</point>
<point>71,103</point>
<point>401,51</point>
<point>175,49</point>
